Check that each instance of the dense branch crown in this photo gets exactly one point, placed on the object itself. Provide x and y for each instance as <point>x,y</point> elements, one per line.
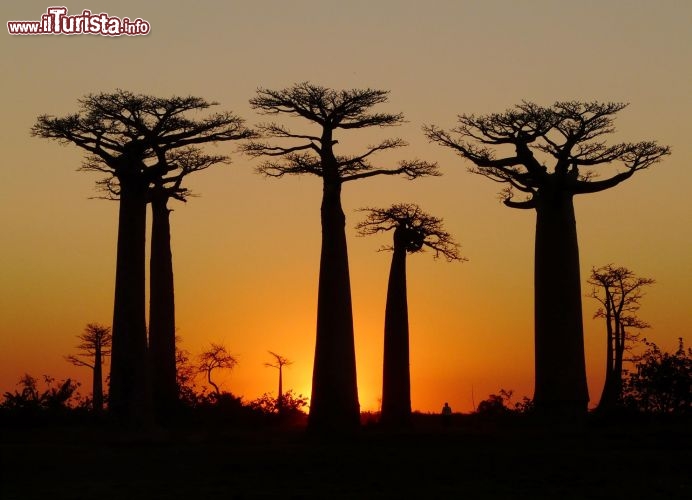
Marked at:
<point>414,228</point>
<point>329,110</point>
<point>137,135</point>
<point>568,134</point>
<point>95,338</point>
<point>281,361</point>
<point>619,292</point>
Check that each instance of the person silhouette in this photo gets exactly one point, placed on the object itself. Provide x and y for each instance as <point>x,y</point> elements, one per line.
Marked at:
<point>446,414</point>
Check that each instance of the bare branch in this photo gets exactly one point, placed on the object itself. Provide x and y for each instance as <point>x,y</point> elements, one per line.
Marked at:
<point>257,149</point>
<point>523,205</point>
<point>635,157</point>
<point>276,130</point>
<point>78,362</point>
<point>410,169</point>
<point>293,164</point>
<point>384,145</point>
<point>373,120</point>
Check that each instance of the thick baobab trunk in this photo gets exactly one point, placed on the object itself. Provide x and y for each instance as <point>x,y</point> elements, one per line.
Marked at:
<point>162,311</point>
<point>396,383</point>
<point>129,397</point>
<point>561,389</point>
<point>97,385</point>
<point>334,400</point>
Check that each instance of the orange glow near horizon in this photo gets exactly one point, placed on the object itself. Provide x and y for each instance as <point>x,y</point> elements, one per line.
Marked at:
<point>246,252</point>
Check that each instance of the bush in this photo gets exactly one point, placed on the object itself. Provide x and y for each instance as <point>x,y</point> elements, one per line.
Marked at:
<point>291,411</point>
<point>498,405</point>
<point>661,382</point>
<point>56,402</point>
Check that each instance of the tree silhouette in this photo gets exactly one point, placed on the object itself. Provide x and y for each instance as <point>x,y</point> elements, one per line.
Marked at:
<point>334,400</point>
<point>216,357</point>
<point>185,376</point>
<point>95,345</point>
<point>279,364</point>
<point>162,354</point>
<point>414,230</point>
<point>662,381</point>
<point>619,291</point>
<point>126,136</point>
<point>568,134</point>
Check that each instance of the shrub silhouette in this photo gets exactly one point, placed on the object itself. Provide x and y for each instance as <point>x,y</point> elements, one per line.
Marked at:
<point>661,382</point>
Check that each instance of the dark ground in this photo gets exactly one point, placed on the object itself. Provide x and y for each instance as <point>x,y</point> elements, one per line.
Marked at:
<point>468,460</point>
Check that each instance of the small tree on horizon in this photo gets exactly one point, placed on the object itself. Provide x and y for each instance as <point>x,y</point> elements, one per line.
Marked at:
<point>279,363</point>
<point>334,400</point>
<point>619,291</point>
<point>414,230</point>
<point>95,345</point>
<point>216,357</point>
<point>569,135</point>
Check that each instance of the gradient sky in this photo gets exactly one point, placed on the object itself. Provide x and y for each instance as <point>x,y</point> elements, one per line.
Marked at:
<point>246,252</point>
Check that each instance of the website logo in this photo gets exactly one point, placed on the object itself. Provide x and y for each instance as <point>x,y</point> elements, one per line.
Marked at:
<point>56,21</point>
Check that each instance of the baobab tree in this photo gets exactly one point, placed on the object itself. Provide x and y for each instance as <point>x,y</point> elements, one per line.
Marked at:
<point>279,363</point>
<point>216,357</point>
<point>569,135</point>
<point>414,231</point>
<point>334,400</point>
<point>162,353</point>
<point>126,135</point>
<point>95,345</point>
<point>619,292</point>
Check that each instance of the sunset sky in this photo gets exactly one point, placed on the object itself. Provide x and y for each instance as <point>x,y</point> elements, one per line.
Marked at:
<point>246,251</point>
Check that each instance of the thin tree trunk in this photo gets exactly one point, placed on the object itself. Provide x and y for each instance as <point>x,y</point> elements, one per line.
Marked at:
<point>162,311</point>
<point>617,369</point>
<point>216,387</point>
<point>607,395</point>
<point>97,385</point>
<point>280,399</point>
<point>129,396</point>
<point>396,378</point>
<point>561,389</point>
<point>334,400</point>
